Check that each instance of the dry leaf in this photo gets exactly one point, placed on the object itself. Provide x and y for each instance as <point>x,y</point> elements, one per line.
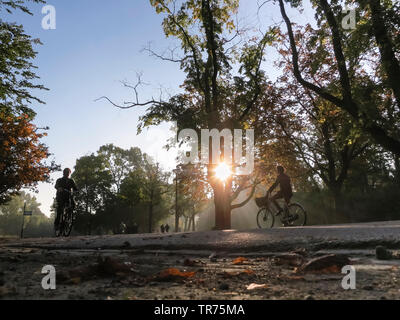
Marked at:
<point>254,286</point>
<point>331,263</point>
<point>172,274</point>
<point>240,260</point>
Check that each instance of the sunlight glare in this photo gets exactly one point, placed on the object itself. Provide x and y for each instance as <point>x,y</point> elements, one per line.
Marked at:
<point>222,171</point>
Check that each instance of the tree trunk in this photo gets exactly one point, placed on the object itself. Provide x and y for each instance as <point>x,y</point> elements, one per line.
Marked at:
<point>176,205</point>
<point>185,228</point>
<point>222,207</point>
<point>193,222</point>
<point>151,213</point>
<point>397,168</point>
<point>341,214</point>
<point>388,58</point>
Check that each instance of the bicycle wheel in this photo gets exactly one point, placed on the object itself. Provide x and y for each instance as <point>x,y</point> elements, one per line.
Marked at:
<point>68,214</point>
<point>265,219</point>
<point>297,216</point>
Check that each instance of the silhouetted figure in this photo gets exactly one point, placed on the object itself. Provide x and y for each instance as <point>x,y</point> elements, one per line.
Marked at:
<point>64,187</point>
<point>135,228</point>
<point>167,228</point>
<point>162,228</point>
<point>285,191</point>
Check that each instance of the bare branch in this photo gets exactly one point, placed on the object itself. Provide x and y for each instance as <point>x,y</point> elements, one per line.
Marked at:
<point>171,55</point>
<point>129,104</point>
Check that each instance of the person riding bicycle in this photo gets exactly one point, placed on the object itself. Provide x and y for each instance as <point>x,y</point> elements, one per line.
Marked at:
<point>64,187</point>
<point>285,192</point>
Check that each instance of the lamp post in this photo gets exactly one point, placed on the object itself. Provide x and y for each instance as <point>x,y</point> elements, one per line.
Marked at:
<point>176,201</point>
<point>24,213</point>
<point>23,218</point>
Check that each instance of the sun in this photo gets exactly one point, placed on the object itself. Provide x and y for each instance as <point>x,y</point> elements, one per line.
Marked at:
<point>222,171</point>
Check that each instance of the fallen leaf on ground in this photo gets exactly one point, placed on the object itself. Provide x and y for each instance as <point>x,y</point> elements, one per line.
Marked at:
<point>254,286</point>
<point>240,260</point>
<point>172,274</point>
<point>331,263</point>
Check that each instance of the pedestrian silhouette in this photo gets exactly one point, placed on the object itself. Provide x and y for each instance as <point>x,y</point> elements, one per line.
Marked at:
<point>166,228</point>
<point>162,228</point>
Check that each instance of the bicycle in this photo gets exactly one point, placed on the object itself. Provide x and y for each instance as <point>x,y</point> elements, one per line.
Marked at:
<point>294,214</point>
<point>66,219</point>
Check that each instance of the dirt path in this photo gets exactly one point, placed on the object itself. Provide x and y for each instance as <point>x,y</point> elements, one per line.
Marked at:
<point>146,274</point>
<point>272,264</point>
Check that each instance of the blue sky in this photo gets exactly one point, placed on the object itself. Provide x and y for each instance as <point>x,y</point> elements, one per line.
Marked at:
<point>97,43</point>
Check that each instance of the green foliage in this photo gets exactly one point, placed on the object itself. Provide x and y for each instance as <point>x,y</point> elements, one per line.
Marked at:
<point>21,150</point>
<point>10,5</point>
<point>16,68</point>
<point>37,225</point>
<point>318,140</point>
<point>119,189</point>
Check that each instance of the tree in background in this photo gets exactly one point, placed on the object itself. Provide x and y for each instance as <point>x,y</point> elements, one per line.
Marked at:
<point>22,155</point>
<point>215,96</point>
<point>352,52</point>
<point>193,193</point>
<point>21,152</point>
<point>94,183</point>
<point>318,133</point>
<point>37,225</point>
<point>120,189</point>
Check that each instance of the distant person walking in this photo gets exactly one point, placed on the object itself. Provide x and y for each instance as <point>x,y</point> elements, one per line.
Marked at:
<point>162,228</point>
<point>167,228</point>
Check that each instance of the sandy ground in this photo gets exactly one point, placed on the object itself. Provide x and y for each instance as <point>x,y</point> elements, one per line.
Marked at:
<point>223,265</point>
<point>146,274</point>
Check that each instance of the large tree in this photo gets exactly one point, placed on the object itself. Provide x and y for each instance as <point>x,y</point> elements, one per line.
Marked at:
<point>352,52</point>
<point>215,96</point>
<point>22,155</point>
<point>21,152</point>
<point>319,134</point>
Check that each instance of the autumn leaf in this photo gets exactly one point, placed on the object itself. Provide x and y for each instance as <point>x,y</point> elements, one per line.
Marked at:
<point>172,274</point>
<point>240,260</point>
<point>230,274</point>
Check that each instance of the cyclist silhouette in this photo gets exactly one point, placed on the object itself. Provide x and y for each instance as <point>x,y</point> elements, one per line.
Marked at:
<point>285,192</point>
<point>64,187</point>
